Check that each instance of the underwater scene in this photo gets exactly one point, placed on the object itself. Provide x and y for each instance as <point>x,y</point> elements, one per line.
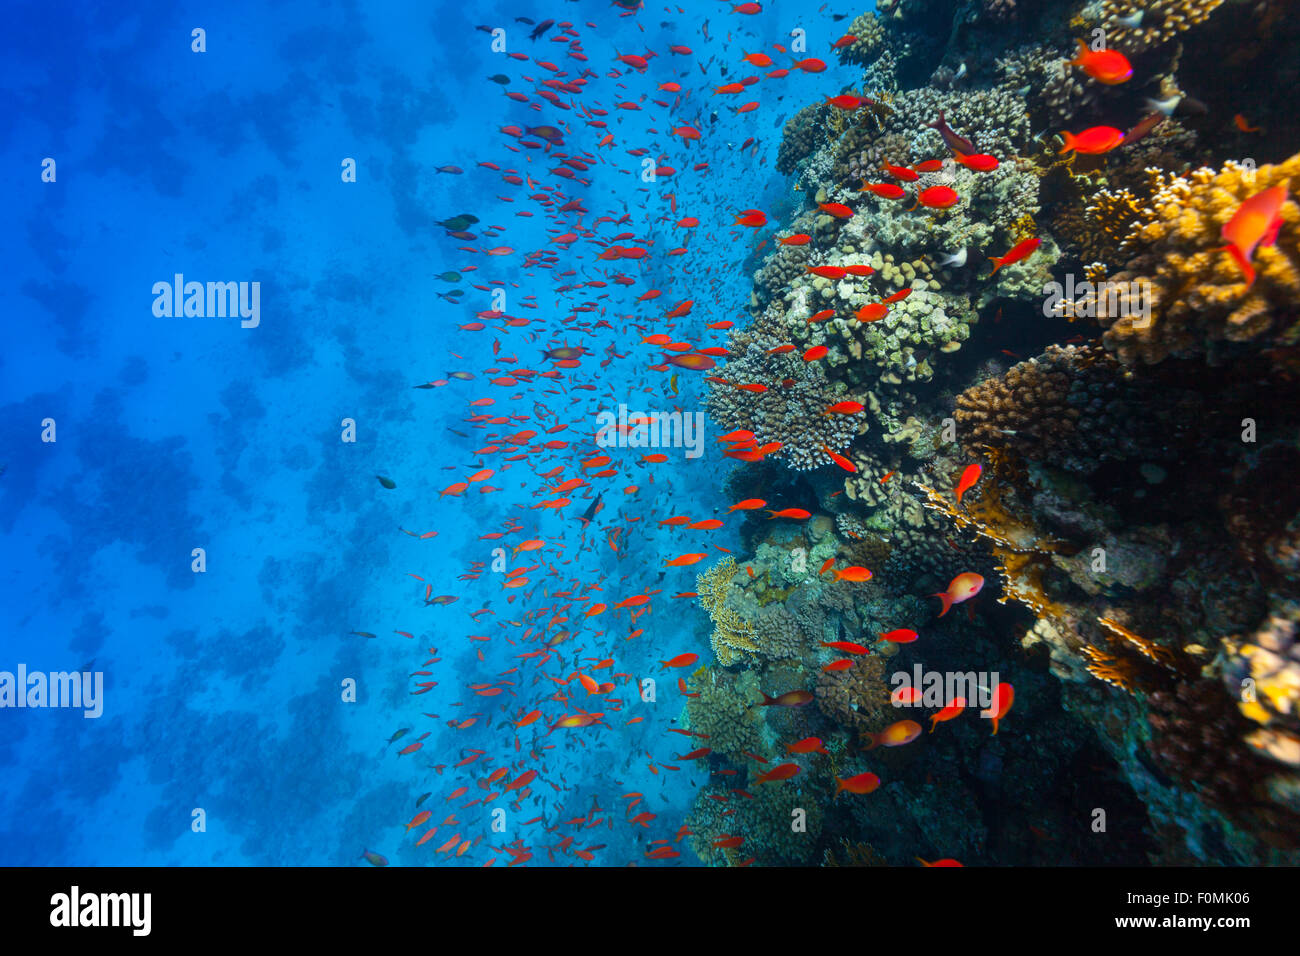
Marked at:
<point>538,433</point>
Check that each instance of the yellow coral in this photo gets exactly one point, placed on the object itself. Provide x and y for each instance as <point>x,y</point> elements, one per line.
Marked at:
<point>732,638</point>
<point>1161,20</point>
<point>1196,292</point>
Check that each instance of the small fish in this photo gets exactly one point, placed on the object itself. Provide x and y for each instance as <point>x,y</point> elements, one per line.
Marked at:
<point>968,478</point>
<point>374,859</point>
<point>962,588</point>
<point>386,482</point>
<point>896,734</point>
<point>1092,141</point>
<point>861,783</point>
<point>1105,66</point>
<point>957,144</point>
<point>1255,223</point>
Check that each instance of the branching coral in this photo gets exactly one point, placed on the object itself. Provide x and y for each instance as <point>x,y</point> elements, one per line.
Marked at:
<point>1158,21</point>
<point>732,637</point>
<point>1197,294</point>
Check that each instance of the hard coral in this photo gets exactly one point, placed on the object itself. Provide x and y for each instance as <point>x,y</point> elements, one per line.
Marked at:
<point>1198,296</point>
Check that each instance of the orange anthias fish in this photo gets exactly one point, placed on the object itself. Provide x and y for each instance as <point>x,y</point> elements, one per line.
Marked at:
<point>861,783</point>
<point>838,210</point>
<point>946,861</point>
<point>782,771</point>
<point>1021,250</point>
<point>937,197</point>
<point>807,746</point>
<point>900,636</point>
<point>681,660</point>
<point>962,588</point>
<point>1105,66</point>
<point>853,573</point>
<point>967,480</point>
<point>896,735</point>
<point>948,713</point>
<point>1255,223</point>
<point>1093,141</point>
<point>1003,698</point>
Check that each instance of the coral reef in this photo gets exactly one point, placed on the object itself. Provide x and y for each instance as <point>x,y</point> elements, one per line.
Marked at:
<point>1197,295</point>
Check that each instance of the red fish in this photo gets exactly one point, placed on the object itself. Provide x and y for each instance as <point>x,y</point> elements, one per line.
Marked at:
<point>948,713</point>
<point>838,210</point>
<point>900,636</point>
<point>1021,250</point>
<point>1105,66</point>
<point>884,190</point>
<point>782,771</point>
<point>937,197</point>
<point>861,783</point>
<point>968,477</point>
<point>1003,698</point>
<point>1255,223</point>
<point>1092,141</point>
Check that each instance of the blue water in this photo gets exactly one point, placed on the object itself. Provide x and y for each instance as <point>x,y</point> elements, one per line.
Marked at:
<point>223,690</point>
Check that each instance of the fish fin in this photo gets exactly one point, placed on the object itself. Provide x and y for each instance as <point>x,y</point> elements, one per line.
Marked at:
<point>1069,141</point>
<point>875,741</point>
<point>947,601</point>
<point>1242,262</point>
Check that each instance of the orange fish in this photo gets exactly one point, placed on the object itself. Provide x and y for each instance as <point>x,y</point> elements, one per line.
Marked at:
<point>861,783</point>
<point>782,771</point>
<point>798,239</point>
<point>896,734</point>
<point>1105,66</point>
<point>749,504</point>
<point>1243,124</point>
<point>681,660</point>
<point>948,713</point>
<point>1255,223</point>
<point>838,210</point>
<point>967,481</point>
<point>840,460</point>
<point>962,588</point>
<point>900,636</point>
<point>872,312</point>
<point>684,560</point>
<point>1021,250</point>
<point>884,190</point>
<point>807,746</point>
<point>853,573</point>
<point>1003,698</point>
<point>1093,141</point>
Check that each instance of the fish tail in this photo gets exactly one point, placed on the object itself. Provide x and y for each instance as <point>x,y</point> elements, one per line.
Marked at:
<point>995,725</point>
<point>839,785</point>
<point>998,263</point>
<point>875,741</point>
<point>947,601</point>
<point>1242,262</point>
<point>1069,141</point>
